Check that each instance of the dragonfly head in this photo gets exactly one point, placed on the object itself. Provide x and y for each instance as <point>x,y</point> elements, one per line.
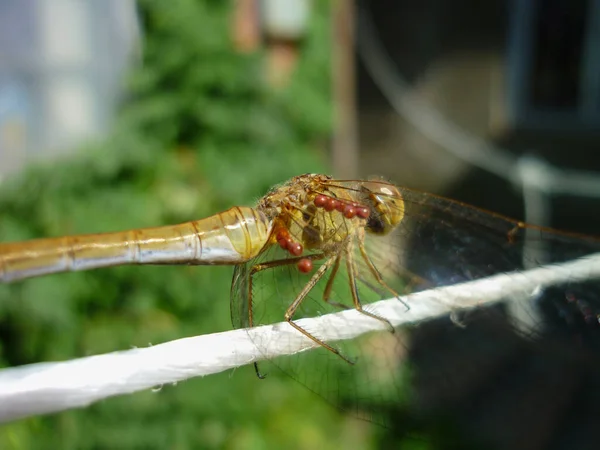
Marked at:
<point>386,205</point>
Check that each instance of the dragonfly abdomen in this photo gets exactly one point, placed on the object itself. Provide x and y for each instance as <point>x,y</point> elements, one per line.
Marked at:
<point>230,237</point>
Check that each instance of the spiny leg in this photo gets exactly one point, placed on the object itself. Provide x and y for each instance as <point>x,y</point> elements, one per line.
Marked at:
<point>270,265</point>
<point>412,279</point>
<point>378,290</point>
<point>329,286</point>
<point>352,279</point>
<point>377,275</point>
<point>301,296</point>
<point>264,266</point>
<point>334,271</point>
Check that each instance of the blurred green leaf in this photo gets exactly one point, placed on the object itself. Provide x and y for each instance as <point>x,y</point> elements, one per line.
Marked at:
<point>200,132</point>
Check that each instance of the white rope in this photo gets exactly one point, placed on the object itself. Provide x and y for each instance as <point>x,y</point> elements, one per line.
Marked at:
<point>48,387</point>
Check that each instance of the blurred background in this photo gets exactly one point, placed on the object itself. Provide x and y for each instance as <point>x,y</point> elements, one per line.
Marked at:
<point>123,114</point>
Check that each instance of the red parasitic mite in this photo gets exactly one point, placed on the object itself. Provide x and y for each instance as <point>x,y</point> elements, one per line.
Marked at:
<point>305,265</point>
<point>330,204</point>
<point>320,201</point>
<point>362,212</point>
<point>349,212</point>
<point>283,238</point>
<point>295,248</point>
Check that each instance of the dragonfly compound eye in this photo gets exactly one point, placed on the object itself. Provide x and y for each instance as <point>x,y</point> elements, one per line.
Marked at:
<point>387,207</point>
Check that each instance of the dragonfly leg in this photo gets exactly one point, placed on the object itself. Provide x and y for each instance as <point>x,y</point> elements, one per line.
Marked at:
<point>357,304</point>
<point>378,276</point>
<point>329,286</point>
<point>270,265</point>
<point>301,296</point>
<point>284,262</point>
<point>264,266</point>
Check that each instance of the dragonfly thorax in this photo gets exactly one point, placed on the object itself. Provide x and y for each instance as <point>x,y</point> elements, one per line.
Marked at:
<point>315,213</point>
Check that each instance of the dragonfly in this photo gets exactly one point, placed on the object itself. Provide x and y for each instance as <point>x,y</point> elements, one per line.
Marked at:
<point>314,245</point>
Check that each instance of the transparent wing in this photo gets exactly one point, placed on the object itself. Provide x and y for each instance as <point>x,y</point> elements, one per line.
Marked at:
<point>439,242</point>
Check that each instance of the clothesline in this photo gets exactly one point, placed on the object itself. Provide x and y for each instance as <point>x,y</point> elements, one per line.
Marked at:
<point>57,386</point>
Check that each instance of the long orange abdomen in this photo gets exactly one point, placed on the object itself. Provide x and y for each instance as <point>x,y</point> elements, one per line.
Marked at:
<point>230,237</point>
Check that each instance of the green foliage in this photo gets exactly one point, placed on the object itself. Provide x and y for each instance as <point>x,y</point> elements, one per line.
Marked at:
<point>200,132</point>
